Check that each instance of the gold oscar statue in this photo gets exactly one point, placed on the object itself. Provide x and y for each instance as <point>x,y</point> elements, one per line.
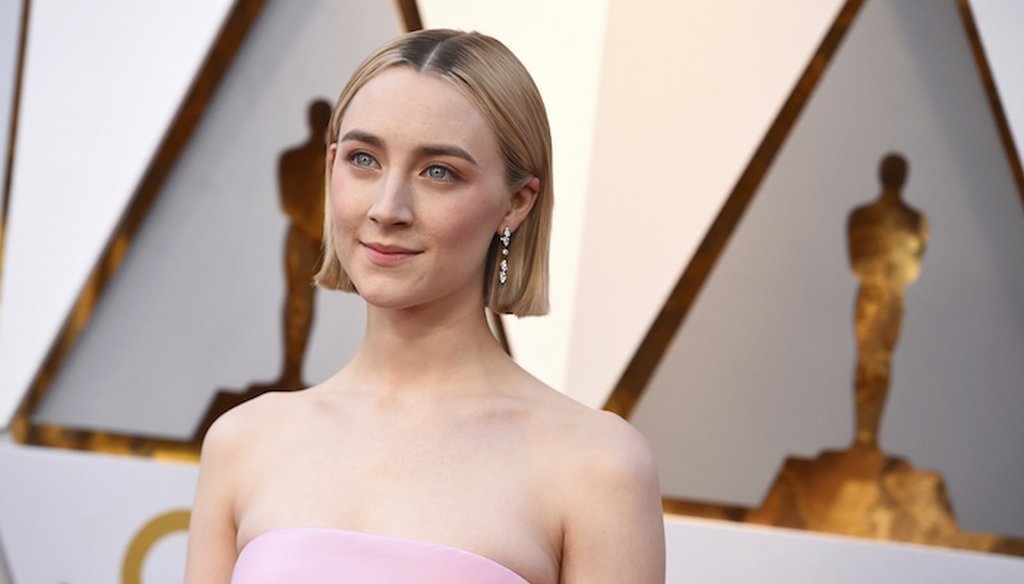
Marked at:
<point>301,187</point>
<point>886,241</point>
<point>862,491</point>
<point>301,181</point>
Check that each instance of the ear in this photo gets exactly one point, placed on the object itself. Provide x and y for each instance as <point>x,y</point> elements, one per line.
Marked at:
<point>332,152</point>
<point>520,204</point>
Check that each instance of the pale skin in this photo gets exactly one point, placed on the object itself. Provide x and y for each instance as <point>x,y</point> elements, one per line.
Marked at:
<point>431,432</point>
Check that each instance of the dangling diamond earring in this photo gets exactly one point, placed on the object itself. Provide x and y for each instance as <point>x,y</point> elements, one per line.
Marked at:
<point>505,239</point>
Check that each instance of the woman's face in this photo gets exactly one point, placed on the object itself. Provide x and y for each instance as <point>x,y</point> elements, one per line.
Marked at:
<point>417,192</point>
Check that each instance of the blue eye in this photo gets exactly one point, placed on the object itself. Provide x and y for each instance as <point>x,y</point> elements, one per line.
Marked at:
<point>362,159</point>
<point>439,173</point>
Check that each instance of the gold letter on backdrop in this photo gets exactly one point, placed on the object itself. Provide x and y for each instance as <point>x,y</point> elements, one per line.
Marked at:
<point>146,538</point>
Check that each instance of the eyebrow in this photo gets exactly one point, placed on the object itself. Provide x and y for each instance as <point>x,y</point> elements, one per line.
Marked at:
<point>424,150</point>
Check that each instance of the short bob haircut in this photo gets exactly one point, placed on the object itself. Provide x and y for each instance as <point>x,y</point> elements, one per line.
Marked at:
<point>501,89</point>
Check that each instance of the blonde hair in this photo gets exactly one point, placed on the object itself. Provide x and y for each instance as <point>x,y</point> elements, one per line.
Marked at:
<point>501,89</point>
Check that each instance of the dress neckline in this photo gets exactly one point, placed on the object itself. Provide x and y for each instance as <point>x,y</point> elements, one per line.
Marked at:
<point>337,531</point>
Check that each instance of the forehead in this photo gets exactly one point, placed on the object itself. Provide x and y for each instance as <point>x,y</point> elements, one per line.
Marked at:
<point>401,104</point>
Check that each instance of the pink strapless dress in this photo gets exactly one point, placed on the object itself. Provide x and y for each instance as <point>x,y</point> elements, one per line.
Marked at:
<point>313,555</point>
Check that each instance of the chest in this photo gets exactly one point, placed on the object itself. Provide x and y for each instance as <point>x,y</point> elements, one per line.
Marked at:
<point>478,485</point>
<point>369,477</point>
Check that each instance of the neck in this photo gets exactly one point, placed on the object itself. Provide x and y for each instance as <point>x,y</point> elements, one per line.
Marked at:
<point>419,351</point>
<point>890,195</point>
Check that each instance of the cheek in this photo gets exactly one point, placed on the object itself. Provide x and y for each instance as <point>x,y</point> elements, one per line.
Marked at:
<point>345,220</point>
<point>343,205</point>
<point>470,228</point>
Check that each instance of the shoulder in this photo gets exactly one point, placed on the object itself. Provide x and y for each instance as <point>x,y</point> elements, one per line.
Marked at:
<point>239,429</point>
<point>254,412</point>
<point>223,468</point>
<point>610,454</point>
<point>609,500</point>
<point>593,457</point>
<point>242,444</point>
<point>597,442</point>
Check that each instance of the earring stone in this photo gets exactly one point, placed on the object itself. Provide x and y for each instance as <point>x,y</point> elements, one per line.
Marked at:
<point>505,239</point>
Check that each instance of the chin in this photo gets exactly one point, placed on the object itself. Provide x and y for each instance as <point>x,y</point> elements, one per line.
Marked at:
<point>388,301</point>
<point>392,294</point>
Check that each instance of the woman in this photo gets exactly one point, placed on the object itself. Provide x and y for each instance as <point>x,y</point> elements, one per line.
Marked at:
<point>431,457</point>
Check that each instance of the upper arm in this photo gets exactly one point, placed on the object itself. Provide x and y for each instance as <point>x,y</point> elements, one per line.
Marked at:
<point>212,530</point>
<point>614,529</point>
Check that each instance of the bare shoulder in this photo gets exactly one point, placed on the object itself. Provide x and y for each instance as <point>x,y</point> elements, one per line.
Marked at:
<point>597,442</point>
<point>223,468</point>
<point>239,429</point>
<point>612,523</point>
<point>617,449</point>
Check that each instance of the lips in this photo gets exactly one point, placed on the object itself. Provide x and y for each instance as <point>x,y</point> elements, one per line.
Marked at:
<point>388,255</point>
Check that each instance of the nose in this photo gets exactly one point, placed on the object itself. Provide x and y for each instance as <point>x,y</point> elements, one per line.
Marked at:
<point>393,203</point>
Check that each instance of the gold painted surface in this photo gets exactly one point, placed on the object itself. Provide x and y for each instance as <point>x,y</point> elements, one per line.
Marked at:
<point>146,538</point>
